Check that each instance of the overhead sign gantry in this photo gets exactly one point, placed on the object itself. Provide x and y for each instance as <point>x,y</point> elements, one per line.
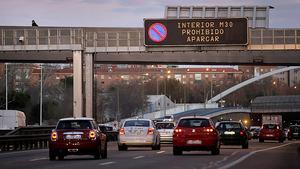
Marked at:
<point>196,32</point>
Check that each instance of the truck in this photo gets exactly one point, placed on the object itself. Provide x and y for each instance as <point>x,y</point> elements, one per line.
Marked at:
<point>11,119</point>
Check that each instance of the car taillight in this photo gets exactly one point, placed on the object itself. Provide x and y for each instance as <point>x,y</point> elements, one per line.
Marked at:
<point>277,127</point>
<point>150,131</point>
<point>92,134</point>
<point>209,130</point>
<point>178,130</point>
<point>54,136</point>
<point>122,131</point>
<point>242,133</point>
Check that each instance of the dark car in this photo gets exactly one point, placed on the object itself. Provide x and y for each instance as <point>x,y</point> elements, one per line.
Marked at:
<point>255,132</point>
<point>233,133</point>
<point>293,132</point>
<point>271,132</point>
<point>194,133</point>
<point>77,136</point>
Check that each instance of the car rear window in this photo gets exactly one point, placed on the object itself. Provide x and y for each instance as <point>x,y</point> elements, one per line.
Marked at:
<point>193,123</point>
<point>74,124</point>
<point>295,128</point>
<point>165,125</point>
<point>226,126</point>
<point>269,126</point>
<point>139,123</point>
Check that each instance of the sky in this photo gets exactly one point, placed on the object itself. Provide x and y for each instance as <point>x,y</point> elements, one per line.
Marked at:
<point>125,13</point>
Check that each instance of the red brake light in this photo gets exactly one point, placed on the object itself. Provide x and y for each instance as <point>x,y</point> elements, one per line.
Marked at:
<point>122,131</point>
<point>54,136</point>
<point>150,131</point>
<point>209,130</point>
<point>242,133</point>
<point>92,134</point>
<point>277,127</point>
<point>178,130</point>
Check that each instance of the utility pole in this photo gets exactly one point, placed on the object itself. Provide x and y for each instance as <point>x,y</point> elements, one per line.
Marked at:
<point>6,88</point>
<point>41,96</point>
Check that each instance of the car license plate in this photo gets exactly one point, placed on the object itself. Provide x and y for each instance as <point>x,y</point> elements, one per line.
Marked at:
<point>194,142</point>
<point>72,137</point>
<point>295,134</point>
<point>270,135</point>
<point>229,132</point>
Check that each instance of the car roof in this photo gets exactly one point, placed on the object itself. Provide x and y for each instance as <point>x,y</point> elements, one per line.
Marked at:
<point>137,119</point>
<point>196,117</point>
<point>165,122</point>
<point>76,118</point>
<point>229,122</point>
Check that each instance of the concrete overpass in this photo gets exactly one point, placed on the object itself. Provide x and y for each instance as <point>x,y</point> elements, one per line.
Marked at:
<point>85,46</point>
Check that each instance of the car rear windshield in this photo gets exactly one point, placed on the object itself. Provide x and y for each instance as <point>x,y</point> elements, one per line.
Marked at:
<point>269,126</point>
<point>295,128</point>
<point>75,124</point>
<point>193,123</point>
<point>165,125</point>
<point>226,126</point>
<point>138,123</point>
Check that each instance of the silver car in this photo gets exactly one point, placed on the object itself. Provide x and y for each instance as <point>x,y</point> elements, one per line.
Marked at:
<point>138,133</point>
<point>165,130</point>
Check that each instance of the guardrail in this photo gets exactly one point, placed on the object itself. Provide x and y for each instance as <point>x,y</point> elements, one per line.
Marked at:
<point>34,141</point>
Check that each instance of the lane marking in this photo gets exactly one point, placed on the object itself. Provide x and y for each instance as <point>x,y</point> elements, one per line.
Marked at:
<point>160,152</point>
<point>250,154</point>
<point>38,159</point>
<point>138,157</point>
<point>107,163</point>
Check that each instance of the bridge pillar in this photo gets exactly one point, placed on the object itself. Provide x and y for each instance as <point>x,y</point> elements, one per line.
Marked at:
<point>77,84</point>
<point>89,85</point>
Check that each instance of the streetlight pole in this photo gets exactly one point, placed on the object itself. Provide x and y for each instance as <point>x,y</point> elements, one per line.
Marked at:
<point>41,96</point>
<point>6,88</point>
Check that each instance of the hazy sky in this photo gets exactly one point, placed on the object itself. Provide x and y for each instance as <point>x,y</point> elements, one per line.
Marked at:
<point>125,13</point>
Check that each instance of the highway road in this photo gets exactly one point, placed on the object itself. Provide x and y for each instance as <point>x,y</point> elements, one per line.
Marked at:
<point>268,155</point>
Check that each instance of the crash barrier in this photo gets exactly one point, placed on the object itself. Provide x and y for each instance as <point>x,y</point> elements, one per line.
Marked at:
<point>27,138</point>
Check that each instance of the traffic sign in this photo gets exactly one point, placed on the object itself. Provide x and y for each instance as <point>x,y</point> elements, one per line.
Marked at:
<point>157,32</point>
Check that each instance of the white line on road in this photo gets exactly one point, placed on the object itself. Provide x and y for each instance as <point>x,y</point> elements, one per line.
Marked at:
<point>38,159</point>
<point>138,157</point>
<point>250,154</point>
<point>160,152</point>
<point>107,163</point>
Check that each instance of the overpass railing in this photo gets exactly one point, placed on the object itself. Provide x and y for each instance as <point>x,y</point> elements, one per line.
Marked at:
<point>125,39</point>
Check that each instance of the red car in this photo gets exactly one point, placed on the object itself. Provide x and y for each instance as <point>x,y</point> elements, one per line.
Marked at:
<point>195,133</point>
<point>271,132</point>
<point>77,136</point>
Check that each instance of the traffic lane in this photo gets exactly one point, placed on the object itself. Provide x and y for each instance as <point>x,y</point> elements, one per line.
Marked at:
<point>282,157</point>
<point>133,158</point>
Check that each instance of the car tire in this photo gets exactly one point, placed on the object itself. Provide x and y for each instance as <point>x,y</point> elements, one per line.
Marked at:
<point>177,151</point>
<point>290,138</point>
<point>122,147</point>
<point>61,156</point>
<point>52,155</point>
<point>261,140</point>
<point>281,140</point>
<point>97,154</point>
<point>245,145</point>
<point>104,151</point>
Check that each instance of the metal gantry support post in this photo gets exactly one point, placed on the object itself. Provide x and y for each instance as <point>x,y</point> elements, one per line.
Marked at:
<point>77,83</point>
<point>89,84</point>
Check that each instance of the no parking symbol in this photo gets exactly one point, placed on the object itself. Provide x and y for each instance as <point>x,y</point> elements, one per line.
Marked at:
<point>157,32</point>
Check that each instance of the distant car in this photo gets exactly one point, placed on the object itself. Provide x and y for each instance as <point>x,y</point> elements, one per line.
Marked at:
<point>168,118</point>
<point>271,132</point>
<point>104,128</point>
<point>165,130</point>
<point>138,133</point>
<point>194,133</point>
<point>255,132</point>
<point>293,132</point>
<point>233,133</point>
<point>77,136</point>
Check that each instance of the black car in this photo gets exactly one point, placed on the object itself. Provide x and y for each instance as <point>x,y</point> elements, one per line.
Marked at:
<point>233,133</point>
<point>294,132</point>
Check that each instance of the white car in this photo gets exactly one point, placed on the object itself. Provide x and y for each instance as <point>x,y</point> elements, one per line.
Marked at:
<point>165,130</point>
<point>138,133</point>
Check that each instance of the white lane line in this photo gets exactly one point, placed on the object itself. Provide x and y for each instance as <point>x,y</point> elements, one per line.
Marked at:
<point>138,157</point>
<point>160,152</point>
<point>38,159</point>
<point>107,163</point>
<point>250,154</point>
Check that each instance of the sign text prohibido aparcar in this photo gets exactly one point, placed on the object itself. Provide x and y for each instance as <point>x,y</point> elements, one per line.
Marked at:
<point>195,32</point>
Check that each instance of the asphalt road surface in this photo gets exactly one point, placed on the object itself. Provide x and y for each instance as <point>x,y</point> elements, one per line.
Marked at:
<point>268,155</point>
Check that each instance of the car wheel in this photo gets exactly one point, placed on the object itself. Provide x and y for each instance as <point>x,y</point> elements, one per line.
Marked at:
<point>61,156</point>
<point>104,151</point>
<point>245,145</point>
<point>261,140</point>
<point>289,138</point>
<point>281,140</point>
<point>122,147</point>
<point>177,151</point>
<point>97,154</point>
<point>215,151</point>
<point>52,155</point>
